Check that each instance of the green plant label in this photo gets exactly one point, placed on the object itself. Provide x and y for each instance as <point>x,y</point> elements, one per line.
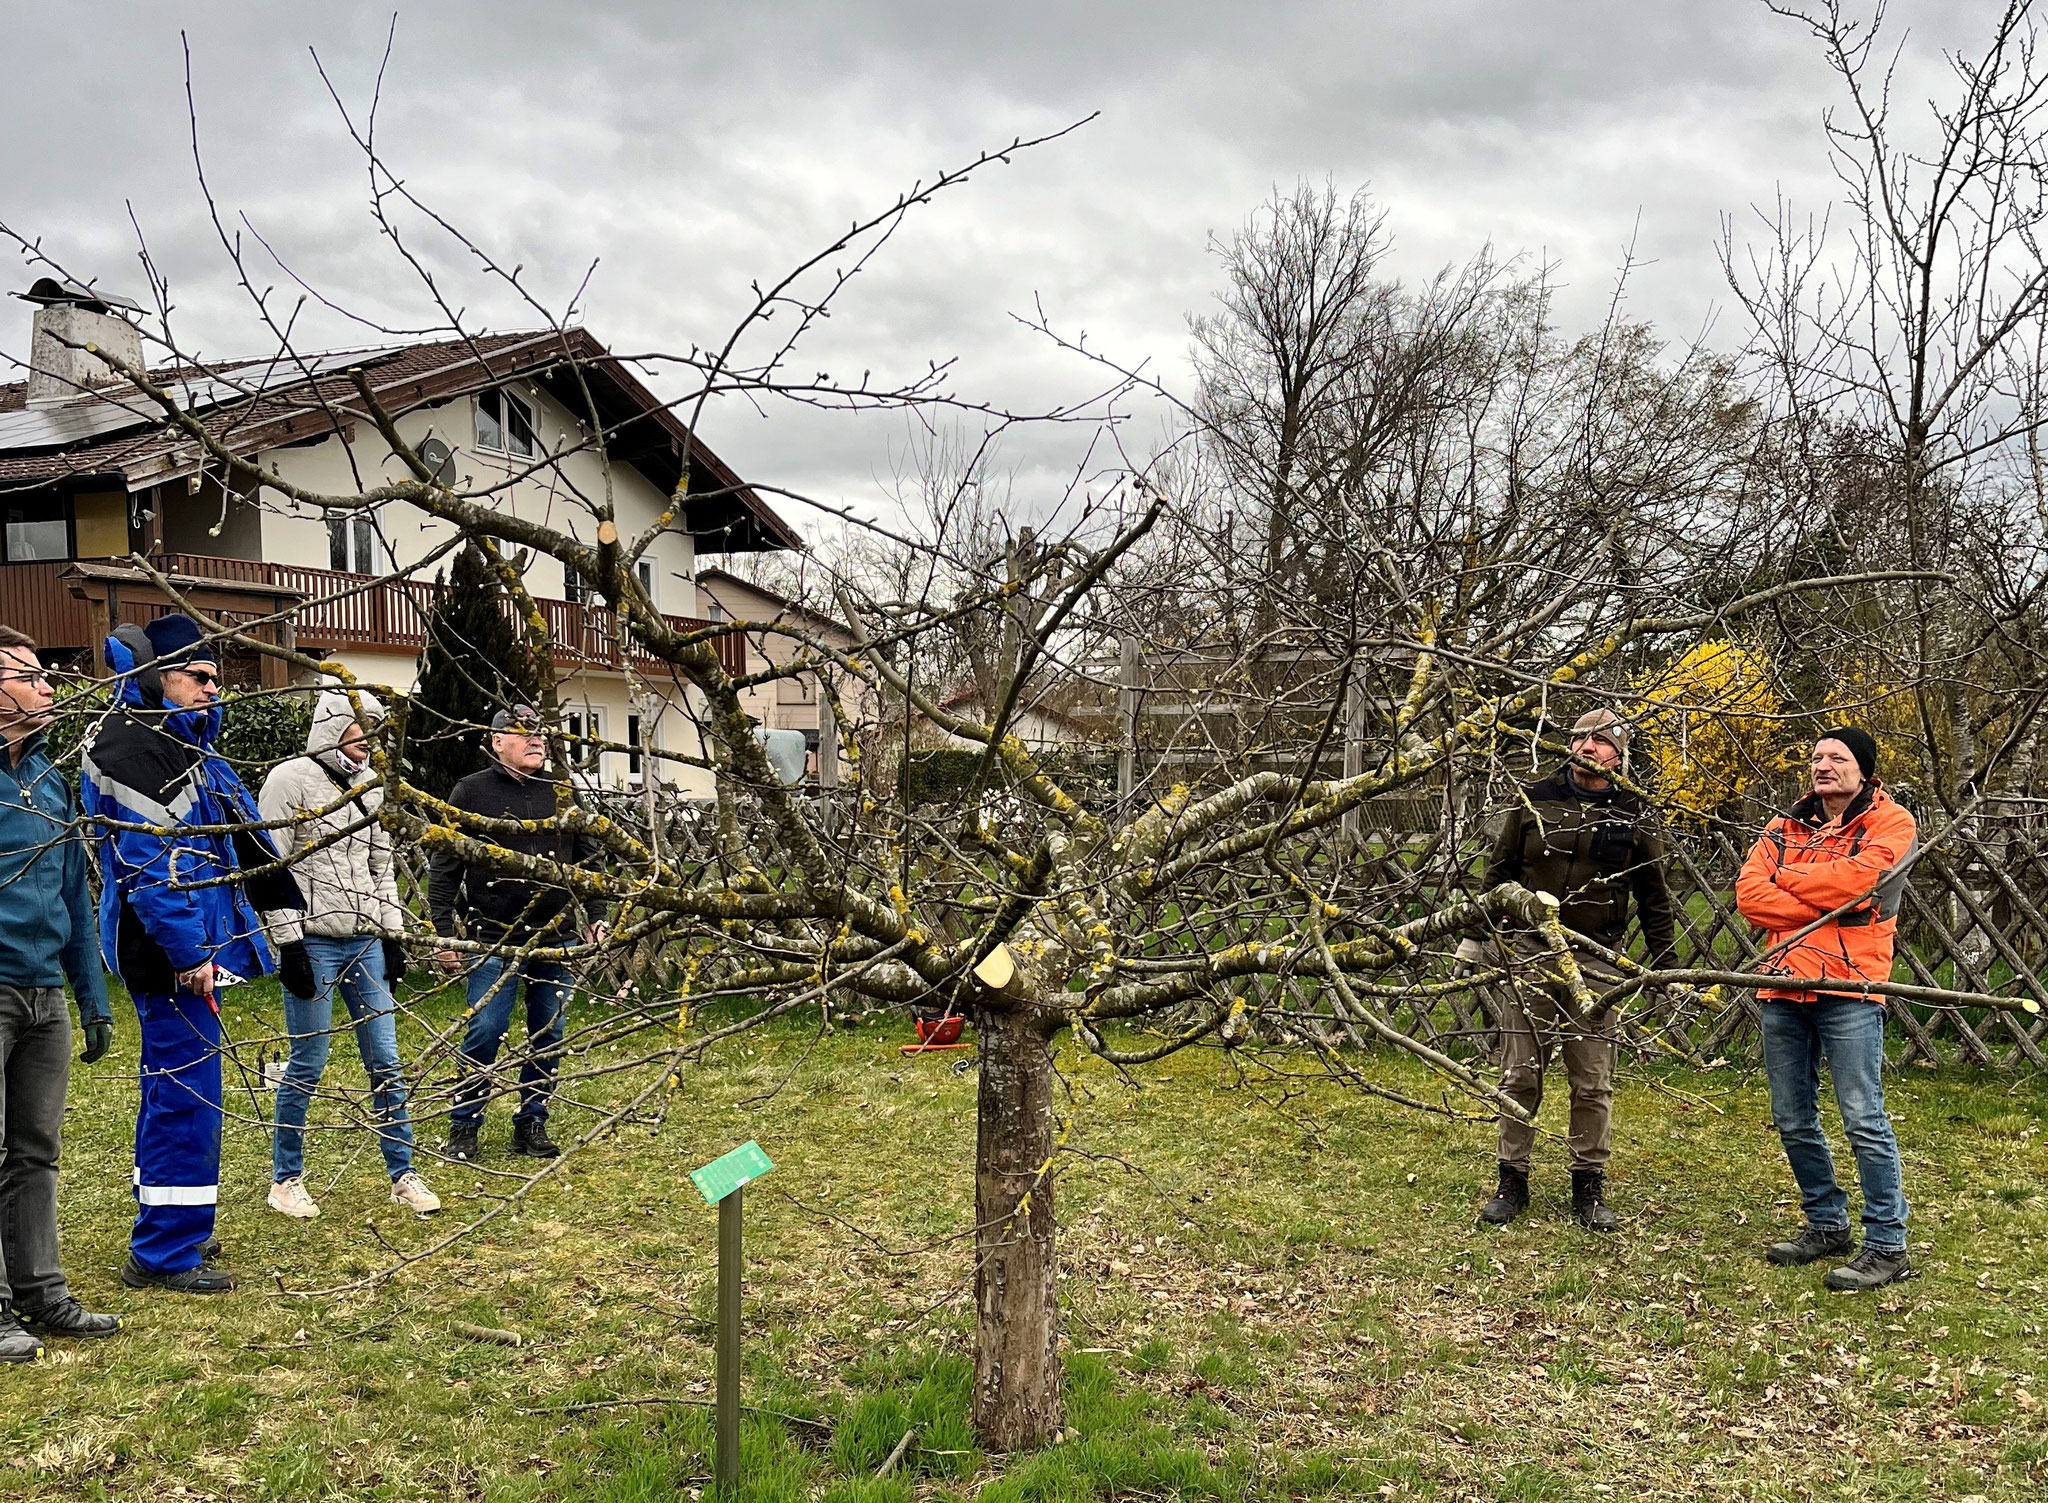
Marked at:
<point>721,1177</point>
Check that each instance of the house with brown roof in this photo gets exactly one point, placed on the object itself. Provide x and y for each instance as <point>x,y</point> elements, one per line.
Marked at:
<point>91,471</point>
<point>776,629</point>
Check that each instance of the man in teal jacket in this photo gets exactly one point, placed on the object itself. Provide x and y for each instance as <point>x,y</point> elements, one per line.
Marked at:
<point>46,936</point>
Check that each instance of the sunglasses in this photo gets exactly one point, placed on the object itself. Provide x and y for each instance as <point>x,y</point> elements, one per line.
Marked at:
<point>206,678</point>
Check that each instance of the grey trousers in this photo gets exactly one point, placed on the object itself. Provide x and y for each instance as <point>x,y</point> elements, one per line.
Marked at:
<point>35,1071</point>
<point>1536,1021</point>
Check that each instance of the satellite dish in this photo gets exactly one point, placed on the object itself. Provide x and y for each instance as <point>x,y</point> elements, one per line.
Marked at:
<point>439,460</point>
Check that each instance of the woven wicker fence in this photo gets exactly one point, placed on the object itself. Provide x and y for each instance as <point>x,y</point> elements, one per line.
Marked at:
<point>1975,919</point>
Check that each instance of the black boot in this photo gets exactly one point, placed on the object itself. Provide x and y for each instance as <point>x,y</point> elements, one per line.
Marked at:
<point>1811,1246</point>
<point>1510,1200</point>
<point>1589,1200</point>
<point>531,1138</point>
<point>67,1317</point>
<point>205,1279</point>
<point>1871,1268</point>
<point>462,1142</point>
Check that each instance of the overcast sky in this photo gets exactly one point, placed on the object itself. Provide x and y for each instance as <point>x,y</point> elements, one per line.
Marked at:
<point>694,147</point>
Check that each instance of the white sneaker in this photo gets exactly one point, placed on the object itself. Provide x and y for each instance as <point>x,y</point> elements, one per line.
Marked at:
<point>288,1197</point>
<point>411,1191</point>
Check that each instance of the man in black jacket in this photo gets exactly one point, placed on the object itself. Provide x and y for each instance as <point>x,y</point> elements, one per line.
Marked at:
<point>511,912</point>
<point>1594,847</point>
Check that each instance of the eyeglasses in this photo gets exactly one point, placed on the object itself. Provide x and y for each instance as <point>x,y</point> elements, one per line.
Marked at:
<point>26,675</point>
<point>206,678</point>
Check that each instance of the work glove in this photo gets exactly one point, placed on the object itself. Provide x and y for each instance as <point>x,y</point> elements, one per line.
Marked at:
<point>394,961</point>
<point>295,970</point>
<point>99,1037</point>
<point>1470,953</point>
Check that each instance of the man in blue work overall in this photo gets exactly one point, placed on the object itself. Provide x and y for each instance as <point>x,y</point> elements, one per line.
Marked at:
<point>45,938</point>
<point>179,922</point>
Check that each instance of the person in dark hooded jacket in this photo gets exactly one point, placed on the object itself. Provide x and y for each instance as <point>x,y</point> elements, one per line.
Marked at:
<point>178,919</point>
<point>512,913</point>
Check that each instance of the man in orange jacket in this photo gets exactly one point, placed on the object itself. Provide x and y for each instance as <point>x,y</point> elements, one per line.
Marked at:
<point>1824,884</point>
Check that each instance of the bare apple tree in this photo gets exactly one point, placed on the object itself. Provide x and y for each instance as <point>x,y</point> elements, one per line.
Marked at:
<point>1402,531</point>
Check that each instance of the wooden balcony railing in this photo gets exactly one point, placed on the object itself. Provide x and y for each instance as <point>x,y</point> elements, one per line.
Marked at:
<point>33,599</point>
<point>337,610</point>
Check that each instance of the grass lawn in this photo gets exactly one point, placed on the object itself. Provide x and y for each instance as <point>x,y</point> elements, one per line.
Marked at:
<point>1273,1289</point>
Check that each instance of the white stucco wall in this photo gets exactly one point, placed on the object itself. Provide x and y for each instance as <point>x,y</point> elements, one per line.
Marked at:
<point>665,724</point>
<point>296,534</point>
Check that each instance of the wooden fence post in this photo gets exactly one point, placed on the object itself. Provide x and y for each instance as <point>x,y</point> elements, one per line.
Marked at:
<point>828,738</point>
<point>1354,746</point>
<point>1127,718</point>
<point>828,759</point>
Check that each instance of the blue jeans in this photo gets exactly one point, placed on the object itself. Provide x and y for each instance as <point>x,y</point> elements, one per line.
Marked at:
<point>491,988</point>
<point>356,968</point>
<point>1850,1034</point>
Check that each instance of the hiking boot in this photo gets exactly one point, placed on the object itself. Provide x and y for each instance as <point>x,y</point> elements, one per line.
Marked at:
<point>200,1280</point>
<point>288,1197</point>
<point>1872,1268</point>
<point>462,1142</point>
<point>1510,1200</point>
<point>1810,1246</point>
<point>1589,1200</point>
<point>410,1191</point>
<point>17,1345</point>
<point>67,1317</point>
<point>531,1138</point>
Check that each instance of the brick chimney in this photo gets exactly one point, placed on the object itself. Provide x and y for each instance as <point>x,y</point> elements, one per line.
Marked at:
<point>68,318</point>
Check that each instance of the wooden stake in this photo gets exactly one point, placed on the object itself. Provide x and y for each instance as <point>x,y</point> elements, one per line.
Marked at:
<point>728,1418</point>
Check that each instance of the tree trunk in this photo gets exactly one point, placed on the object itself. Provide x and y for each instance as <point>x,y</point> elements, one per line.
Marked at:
<point>1016,1347</point>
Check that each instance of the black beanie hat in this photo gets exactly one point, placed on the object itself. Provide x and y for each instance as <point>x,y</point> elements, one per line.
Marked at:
<point>1860,745</point>
<point>178,642</point>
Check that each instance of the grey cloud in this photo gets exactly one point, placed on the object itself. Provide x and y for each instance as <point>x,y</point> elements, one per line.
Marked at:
<point>695,148</point>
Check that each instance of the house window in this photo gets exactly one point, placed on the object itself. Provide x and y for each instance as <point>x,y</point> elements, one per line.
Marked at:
<point>578,591</point>
<point>352,542</point>
<point>584,725</point>
<point>715,613</point>
<point>38,529</point>
<point>632,746</point>
<point>504,423</point>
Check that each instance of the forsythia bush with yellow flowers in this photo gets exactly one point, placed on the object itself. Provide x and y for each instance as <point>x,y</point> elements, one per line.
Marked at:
<point>1709,727</point>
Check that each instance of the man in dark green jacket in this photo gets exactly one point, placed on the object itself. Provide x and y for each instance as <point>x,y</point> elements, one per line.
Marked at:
<point>46,937</point>
<point>1596,849</point>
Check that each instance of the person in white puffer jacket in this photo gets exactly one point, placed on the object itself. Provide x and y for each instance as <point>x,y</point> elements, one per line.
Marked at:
<point>343,940</point>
